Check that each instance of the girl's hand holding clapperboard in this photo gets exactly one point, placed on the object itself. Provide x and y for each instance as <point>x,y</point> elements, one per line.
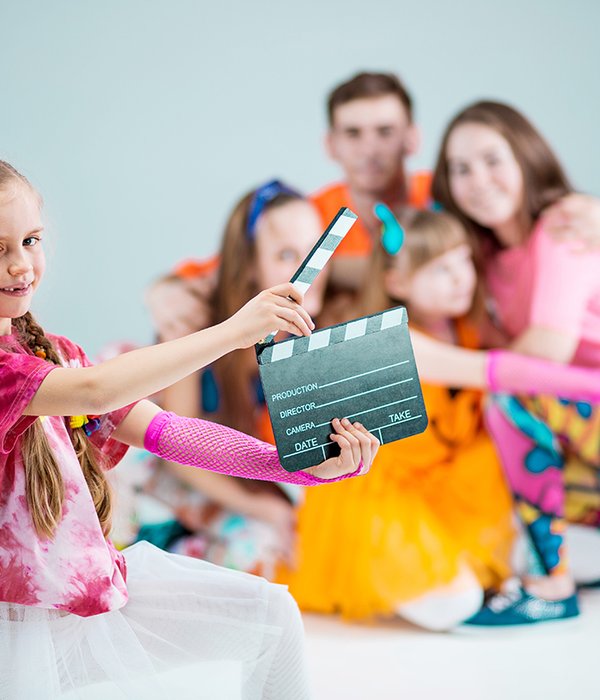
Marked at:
<point>280,308</point>
<point>353,440</point>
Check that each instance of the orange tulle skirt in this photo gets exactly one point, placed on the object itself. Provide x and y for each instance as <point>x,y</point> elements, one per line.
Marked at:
<point>428,505</point>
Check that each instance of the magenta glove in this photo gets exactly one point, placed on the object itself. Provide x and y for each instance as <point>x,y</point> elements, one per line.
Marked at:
<point>510,373</point>
<point>200,443</point>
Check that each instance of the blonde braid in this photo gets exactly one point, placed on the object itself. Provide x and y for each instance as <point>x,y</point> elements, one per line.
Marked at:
<point>45,487</point>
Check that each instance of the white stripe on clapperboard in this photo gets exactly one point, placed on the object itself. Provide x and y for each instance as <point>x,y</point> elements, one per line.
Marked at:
<point>354,329</point>
<point>317,261</point>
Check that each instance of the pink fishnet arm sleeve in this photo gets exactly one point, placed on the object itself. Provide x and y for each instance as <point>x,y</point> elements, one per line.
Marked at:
<point>217,448</point>
<point>521,374</point>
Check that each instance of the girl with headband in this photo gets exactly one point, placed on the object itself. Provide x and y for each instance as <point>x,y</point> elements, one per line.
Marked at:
<point>240,523</point>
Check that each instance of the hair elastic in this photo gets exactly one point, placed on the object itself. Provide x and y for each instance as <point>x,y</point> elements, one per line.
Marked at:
<point>392,234</point>
<point>89,423</point>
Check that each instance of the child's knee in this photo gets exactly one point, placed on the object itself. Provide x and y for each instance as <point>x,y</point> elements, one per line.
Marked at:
<point>441,614</point>
<point>445,607</point>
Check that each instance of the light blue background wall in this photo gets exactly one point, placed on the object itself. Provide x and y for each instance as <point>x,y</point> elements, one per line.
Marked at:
<point>142,121</point>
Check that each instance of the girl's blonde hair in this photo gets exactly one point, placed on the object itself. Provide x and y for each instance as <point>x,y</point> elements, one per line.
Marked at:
<point>44,485</point>
<point>427,235</point>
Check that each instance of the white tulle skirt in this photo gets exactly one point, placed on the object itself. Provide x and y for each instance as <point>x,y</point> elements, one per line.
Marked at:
<point>189,630</point>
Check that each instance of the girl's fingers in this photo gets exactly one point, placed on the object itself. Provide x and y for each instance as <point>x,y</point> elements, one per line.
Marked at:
<point>287,289</point>
<point>289,304</point>
<point>346,457</point>
<point>363,444</point>
<point>344,428</point>
<point>373,441</point>
<point>291,316</point>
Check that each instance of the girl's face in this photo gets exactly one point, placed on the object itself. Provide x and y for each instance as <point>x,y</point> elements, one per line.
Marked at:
<point>442,288</point>
<point>485,178</point>
<point>22,260</point>
<point>284,237</point>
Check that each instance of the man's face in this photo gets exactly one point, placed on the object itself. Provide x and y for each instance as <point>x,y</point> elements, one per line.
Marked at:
<point>370,138</point>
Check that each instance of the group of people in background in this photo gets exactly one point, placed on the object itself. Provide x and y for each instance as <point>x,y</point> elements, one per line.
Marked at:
<point>499,274</point>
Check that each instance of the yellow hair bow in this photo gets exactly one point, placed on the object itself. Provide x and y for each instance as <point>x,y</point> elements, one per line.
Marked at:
<point>78,421</point>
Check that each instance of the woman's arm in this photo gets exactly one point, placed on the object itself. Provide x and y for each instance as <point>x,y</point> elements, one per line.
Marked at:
<point>547,344</point>
<point>448,365</point>
<point>134,375</point>
<point>503,371</point>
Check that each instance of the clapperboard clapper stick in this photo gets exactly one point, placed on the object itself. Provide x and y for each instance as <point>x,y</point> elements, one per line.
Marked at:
<point>363,370</point>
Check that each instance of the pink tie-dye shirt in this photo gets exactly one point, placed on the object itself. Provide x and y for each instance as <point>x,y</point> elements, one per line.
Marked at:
<point>78,570</point>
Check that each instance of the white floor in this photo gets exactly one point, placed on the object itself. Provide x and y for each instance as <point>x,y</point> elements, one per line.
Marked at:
<point>551,661</point>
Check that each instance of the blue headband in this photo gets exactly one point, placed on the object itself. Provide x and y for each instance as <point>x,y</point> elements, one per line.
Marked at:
<point>263,196</point>
<point>392,234</point>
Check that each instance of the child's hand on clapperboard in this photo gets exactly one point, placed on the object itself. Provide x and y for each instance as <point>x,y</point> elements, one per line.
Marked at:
<point>356,444</point>
<point>275,309</point>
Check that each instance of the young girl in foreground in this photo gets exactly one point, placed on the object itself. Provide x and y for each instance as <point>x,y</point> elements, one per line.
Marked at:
<point>67,617</point>
<point>424,535</point>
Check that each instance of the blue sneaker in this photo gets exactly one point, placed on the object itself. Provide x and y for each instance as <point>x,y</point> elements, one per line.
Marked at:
<point>518,607</point>
<point>588,585</point>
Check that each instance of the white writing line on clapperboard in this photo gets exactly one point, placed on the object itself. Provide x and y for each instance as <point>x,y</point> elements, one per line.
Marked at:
<point>364,393</point>
<point>309,426</point>
<point>313,386</point>
<point>286,413</point>
<point>370,410</point>
<point>310,444</point>
<point>364,374</point>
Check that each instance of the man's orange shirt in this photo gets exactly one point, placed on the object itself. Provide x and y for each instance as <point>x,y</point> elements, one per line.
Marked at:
<point>358,241</point>
<point>328,201</point>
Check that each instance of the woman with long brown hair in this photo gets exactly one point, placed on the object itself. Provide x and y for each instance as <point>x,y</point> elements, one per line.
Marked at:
<point>497,174</point>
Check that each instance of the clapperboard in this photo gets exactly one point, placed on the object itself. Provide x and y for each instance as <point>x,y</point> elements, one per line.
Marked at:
<point>363,370</point>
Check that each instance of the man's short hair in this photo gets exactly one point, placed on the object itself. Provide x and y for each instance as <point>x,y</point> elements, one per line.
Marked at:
<point>365,85</point>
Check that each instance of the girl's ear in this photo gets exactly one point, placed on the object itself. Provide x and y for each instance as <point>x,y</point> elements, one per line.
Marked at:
<point>412,140</point>
<point>397,284</point>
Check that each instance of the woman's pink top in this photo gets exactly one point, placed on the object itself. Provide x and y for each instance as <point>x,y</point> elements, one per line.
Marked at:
<point>77,570</point>
<point>547,283</point>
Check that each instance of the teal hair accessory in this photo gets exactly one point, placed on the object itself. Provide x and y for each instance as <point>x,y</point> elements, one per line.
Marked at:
<point>392,234</point>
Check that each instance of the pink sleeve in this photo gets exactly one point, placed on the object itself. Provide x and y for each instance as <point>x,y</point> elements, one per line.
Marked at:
<point>508,372</point>
<point>20,377</point>
<point>565,281</point>
<point>113,451</point>
<point>217,448</point>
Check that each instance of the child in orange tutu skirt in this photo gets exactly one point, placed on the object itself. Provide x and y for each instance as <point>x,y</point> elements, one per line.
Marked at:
<point>424,534</point>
